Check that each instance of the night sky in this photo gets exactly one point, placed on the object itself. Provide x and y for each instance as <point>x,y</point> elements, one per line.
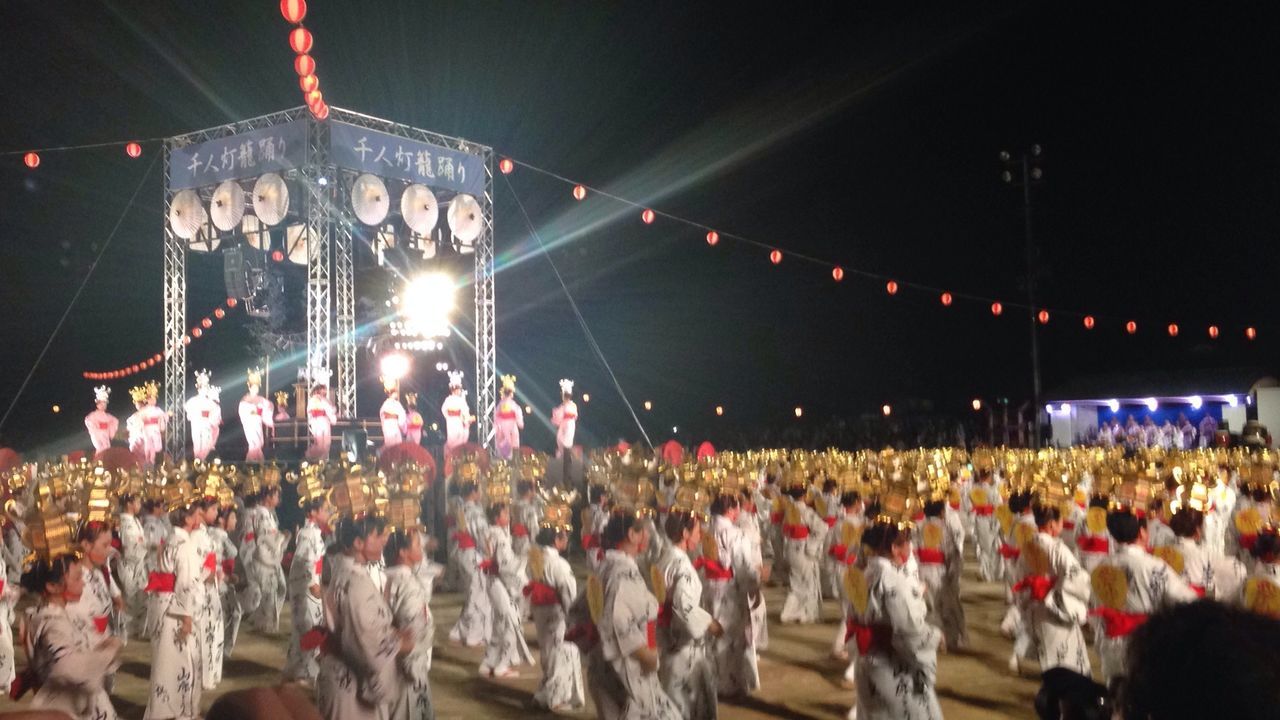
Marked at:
<point>870,140</point>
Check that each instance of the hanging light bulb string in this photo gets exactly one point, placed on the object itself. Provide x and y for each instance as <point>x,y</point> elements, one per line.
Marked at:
<point>591,340</point>
<point>580,191</point>
<point>115,229</point>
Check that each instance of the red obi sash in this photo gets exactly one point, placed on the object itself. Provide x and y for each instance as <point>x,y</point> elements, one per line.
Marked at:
<point>453,413</point>
<point>151,421</point>
<point>775,518</point>
<point>415,422</point>
<point>507,415</point>
<point>161,582</point>
<point>210,562</point>
<point>1093,544</point>
<point>390,416</point>
<point>317,413</point>
<point>1009,552</point>
<point>229,566</point>
<point>570,416</point>
<point>319,566</point>
<point>1198,589</point>
<point>664,614</point>
<point>1039,585</point>
<point>1068,525</point>
<point>100,622</point>
<point>319,638</point>
<point>830,521</point>
<point>954,505</point>
<point>520,530</point>
<point>984,510</point>
<point>838,552</point>
<point>205,413</point>
<point>1248,541</point>
<point>489,567</point>
<point>590,542</point>
<point>1116,623</point>
<point>24,682</point>
<point>259,411</point>
<point>541,594</point>
<point>796,532</point>
<point>103,426</point>
<point>870,638</point>
<point>713,569</point>
<point>250,537</point>
<point>930,556</point>
<point>464,540</point>
<point>651,634</point>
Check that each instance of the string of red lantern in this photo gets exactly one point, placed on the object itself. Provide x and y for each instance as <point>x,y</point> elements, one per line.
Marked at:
<point>648,216</point>
<point>301,41</point>
<point>33,157</point>
<point>206,323</point>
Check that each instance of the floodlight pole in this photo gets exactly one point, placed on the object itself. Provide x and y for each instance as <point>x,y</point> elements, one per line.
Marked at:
<point>1029,166</point>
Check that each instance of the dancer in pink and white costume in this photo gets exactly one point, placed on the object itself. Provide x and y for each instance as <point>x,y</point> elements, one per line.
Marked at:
<point>204,415</point>
<point>413,419</point>
<point>102,425</point>
<point>146,426</point>
<point>321,415</point>
<point>256,415</point>
<point>395,420</point>
<point>457,416</point>
<point>508,420</point>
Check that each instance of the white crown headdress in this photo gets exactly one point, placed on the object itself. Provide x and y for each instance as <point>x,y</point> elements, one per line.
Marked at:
<point>566,387</point>
<point>455,378</point>
<point>320,376</point>
<point>202,379</point>
<point>102,394</point>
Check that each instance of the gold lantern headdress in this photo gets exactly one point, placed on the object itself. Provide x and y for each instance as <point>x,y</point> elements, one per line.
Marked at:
<point>254,377</point>
<point>350,492</point>
<point>557,510</point>
<point>49,533</point>
<point>138,393</point>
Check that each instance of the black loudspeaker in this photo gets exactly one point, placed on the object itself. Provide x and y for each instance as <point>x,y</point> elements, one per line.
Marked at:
<point>235,272</point>
<point>355,443</point>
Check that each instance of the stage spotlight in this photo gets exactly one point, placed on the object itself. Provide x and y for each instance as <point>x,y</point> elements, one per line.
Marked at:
<point>394,366</point>
<point>1196,402</point>
<point>1114,405</point>
<point>1151,404</point>
<point>426,303</point>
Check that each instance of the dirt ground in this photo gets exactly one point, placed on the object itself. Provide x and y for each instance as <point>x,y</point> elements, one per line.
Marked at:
<point>799,679</point>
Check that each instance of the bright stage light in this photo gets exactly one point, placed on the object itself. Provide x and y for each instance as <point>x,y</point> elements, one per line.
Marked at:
<point>977,404</point>
<point>799,412</point>
<point>1151,404</point>
<point>886,410</point>
<point>1114,405</point>
<point>1048,408</point>
<point>426,303</point>
<point>1196,402</point>
<point>1064,408</point>
<point>394,366</point>
<point>1233,401</point>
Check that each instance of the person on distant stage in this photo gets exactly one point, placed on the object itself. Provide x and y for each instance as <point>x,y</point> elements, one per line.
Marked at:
<point>413,419</point>
<point>565,420</point>
<point>394,419</point>
<point>508,420</point>
<point>102,425</point>
<point>204,415</point>
<point>256,413</point>
<point>1208,427</point>
<point>321,416</point>
<point>146,426</point>
<point>457,416</point>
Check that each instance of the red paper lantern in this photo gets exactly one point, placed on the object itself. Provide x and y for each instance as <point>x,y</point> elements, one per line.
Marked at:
<point>219,313</point>
<point>946,299</point>
<point>206,323</point>
<point>313,99</point>
<point>196,332</point>
<point>300,40</point>
<point>647,216</point>
<point>321,111</point>
<point>1131,327</point>
<point>891,287</point>
<point>1213,332</point>
<point>293,10</point>
<point>277,256</point>
<point>149,363</point>
<point>304,65</point>
<point>186,339</point>
<point>308,83</point>
<point>713,237</point>
<point>1043,317</point>
<point>579,192</point>
<point>1173,329</point>
<point>1250,333</point>
<point>136,368</point>
<point>837,273</point>
<point>157,357</point>
<point>506,166</point>
<point>232,302</point>
<point>1088,322</point>
<point>133,149</point>
<point>996,309</point>
<point>31,160</point>
<point>775,257</point>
